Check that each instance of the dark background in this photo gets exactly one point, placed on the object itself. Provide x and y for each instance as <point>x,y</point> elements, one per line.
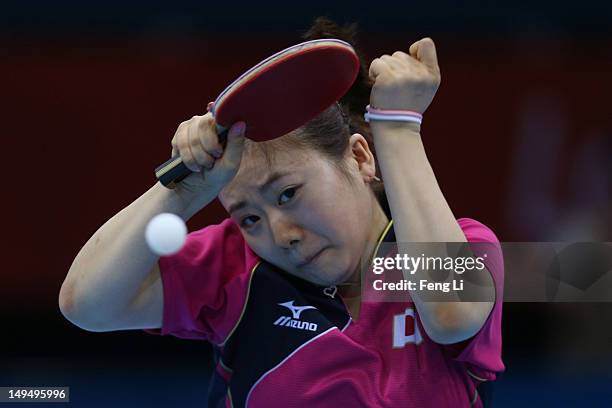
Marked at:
<point>519,136</point>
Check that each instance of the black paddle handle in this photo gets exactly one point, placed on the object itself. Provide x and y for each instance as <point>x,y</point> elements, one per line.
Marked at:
<point>173,171</point>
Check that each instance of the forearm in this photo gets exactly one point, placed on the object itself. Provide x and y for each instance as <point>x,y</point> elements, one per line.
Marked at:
<point>420,211</point>
<point>109,270</point>
<point>421,214</point>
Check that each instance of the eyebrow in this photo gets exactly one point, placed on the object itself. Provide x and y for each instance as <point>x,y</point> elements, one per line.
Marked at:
<point>263,187</point>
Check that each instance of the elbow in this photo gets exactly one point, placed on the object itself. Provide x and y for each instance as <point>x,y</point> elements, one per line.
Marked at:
<point>72,312</point>
<point>453,322</point>
<point>66,301</point>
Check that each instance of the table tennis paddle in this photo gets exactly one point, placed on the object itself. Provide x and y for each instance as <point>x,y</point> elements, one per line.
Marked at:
<point>279,94</point>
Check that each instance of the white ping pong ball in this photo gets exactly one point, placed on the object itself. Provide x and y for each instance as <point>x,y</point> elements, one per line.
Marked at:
<point>165,234</point>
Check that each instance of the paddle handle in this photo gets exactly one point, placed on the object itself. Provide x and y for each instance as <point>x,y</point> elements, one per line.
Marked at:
<point>172,171</point>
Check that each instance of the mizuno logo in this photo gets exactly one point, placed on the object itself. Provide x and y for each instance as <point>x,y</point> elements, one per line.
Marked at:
<point>296,310</point>
<point>295,322</point>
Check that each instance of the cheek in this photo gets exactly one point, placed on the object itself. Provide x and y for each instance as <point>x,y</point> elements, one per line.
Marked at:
<point>258,245</point>
<point>340,217</point>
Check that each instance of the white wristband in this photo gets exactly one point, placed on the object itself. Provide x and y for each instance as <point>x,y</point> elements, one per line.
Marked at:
<point>400,118</point>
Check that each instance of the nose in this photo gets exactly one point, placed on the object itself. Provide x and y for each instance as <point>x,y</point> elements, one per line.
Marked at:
<point>285,233</point>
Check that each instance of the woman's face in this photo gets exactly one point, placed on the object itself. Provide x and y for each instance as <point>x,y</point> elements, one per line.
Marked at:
<point>301,214</point>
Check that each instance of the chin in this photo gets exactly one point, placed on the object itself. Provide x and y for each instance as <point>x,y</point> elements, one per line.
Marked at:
<point>324,274</point>
<point>321,277</point>
<point>335,279</point>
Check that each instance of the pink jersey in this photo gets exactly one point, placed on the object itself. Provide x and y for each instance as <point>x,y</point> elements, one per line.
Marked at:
<point>284,342</point>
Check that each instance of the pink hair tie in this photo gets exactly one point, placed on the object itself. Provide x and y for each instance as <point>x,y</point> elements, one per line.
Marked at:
<point>393,115</point>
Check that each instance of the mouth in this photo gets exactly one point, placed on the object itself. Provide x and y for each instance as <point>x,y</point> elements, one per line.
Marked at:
<point>311,258</point>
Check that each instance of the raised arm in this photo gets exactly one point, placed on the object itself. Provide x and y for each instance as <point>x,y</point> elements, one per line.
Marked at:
<point>408,82</point>
<point>114,282</point>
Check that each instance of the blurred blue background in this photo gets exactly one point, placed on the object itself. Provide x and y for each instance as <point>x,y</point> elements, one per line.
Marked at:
<point>524,107</point>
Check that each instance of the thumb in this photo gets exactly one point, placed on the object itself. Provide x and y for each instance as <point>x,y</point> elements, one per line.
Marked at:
<point>235,143</point>
<point>425,51</point>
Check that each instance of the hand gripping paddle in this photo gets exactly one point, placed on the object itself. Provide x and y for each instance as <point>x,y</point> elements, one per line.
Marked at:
<point>279,94</point>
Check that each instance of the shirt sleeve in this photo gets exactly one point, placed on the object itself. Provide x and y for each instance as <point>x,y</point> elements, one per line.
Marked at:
<point>482,353</point>
<point>205,284</point>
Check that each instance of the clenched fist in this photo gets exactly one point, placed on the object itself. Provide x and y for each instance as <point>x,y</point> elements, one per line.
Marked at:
<point>197,142</point>
<point>406,81</point>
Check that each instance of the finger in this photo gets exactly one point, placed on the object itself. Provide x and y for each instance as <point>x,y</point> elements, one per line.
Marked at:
<point>210,106</point>
<point>235,144</point>
<point>402,55</point>
<point>174,148</point>
<point>174,144</point>
<point>393,62</point>
<point>175,138</point>
<point>425,51</point>
<point>182,144</point>
<point>202,158</point>
<point>377,67</point>
<point>208,136</point>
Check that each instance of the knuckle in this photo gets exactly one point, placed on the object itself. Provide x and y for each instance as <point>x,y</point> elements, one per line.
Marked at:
<point>182,144</point>
<point>202,124</point>
<point>188,160</point>
<point>210,143</point>
<point>204,121</point>
<point>194,141</point>
<point>185,157</point>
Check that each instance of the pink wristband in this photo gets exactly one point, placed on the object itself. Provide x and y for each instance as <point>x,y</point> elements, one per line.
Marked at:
<point>392,115</point>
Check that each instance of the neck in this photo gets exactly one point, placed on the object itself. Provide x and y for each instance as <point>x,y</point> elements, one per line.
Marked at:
<point>352,286</point>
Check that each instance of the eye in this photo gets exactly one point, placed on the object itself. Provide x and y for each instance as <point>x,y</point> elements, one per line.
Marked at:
<point>249,221</point>
<point>286,195</point>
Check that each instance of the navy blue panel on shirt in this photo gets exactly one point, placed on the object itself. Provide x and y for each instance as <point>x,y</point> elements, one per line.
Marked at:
<point>282,313</point>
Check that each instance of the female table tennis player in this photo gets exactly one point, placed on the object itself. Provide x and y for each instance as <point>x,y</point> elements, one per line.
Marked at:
<point>276,286</point>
